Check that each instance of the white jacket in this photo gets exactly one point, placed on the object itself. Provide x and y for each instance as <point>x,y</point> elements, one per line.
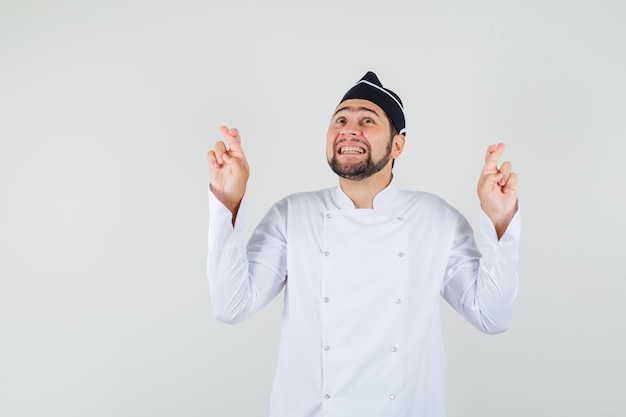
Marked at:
<point>361,331</point>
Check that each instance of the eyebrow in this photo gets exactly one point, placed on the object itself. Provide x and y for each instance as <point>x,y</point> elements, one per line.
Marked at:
<point>356,109</point>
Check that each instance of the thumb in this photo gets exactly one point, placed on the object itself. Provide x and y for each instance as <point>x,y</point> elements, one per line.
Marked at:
<point>236,165</point>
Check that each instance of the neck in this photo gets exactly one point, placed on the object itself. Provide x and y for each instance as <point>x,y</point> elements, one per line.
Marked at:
<point>362,192</point>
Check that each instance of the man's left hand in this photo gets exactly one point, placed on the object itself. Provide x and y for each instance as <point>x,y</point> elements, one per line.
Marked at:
<point>497,189</point>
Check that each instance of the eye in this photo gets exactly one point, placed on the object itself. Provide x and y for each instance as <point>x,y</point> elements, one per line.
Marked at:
<point>340,120</point>
<point>367,120</point>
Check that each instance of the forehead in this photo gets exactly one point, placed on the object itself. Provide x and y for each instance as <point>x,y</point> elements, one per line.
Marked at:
<point>359,105</point>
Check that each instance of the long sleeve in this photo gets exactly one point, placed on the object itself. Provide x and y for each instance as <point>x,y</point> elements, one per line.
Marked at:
<point>239,288</point>
<point>483,287</point>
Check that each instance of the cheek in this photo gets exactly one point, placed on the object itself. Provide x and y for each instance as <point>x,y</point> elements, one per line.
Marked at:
<point>329,152</point>
<point>330,140</point>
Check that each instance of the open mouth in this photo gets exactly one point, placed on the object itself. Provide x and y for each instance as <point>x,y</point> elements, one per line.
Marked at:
<point>344,150</point>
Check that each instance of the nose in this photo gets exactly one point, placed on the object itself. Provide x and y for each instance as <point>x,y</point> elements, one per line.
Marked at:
<point>350,129</point>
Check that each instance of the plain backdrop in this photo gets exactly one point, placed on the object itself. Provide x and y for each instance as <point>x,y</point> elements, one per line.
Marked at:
<point>107,109</point>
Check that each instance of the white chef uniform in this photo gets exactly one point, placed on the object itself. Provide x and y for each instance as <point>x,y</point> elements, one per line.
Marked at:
<point>361,332</point>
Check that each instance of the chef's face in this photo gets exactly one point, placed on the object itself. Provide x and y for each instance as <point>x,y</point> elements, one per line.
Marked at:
<point>358,141</point>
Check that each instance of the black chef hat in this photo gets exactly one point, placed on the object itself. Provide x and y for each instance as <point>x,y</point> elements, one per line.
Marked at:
<point>370,88</point>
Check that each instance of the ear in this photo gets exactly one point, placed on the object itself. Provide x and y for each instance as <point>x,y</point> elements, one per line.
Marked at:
<point>397,146</point>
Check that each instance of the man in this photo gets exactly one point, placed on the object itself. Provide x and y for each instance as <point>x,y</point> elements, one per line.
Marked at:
<point>363,266</point>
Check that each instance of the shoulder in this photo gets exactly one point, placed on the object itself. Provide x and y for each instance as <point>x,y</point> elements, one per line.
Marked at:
<point>306,199</point>
<point>426,203</point>
<point>424,198</point>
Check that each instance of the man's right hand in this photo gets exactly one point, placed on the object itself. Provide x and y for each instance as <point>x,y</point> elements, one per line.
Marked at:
<point>228,170</point>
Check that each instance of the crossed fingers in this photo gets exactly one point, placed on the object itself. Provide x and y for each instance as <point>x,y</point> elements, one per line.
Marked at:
<point>504,176</point>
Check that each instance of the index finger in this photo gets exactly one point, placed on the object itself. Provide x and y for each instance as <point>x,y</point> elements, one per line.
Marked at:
<point>233,138</point>
<point>492,156</point>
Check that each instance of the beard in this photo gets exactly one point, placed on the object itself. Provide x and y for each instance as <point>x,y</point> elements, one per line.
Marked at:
<point>363,169</point>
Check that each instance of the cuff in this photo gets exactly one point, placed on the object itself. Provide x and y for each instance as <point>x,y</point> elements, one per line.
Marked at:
<point>222,232</point>
<point>507,246</point>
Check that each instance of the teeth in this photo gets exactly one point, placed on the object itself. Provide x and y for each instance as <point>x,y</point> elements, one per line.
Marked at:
<point>351,149</point>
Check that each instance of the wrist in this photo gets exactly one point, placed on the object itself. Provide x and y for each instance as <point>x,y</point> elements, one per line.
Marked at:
<point>500,221</point>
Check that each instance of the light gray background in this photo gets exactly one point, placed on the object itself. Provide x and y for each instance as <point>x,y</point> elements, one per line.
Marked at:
<point>108,108</point>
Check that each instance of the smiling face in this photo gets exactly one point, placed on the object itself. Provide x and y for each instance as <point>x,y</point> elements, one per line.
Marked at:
<point>358,142</point>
